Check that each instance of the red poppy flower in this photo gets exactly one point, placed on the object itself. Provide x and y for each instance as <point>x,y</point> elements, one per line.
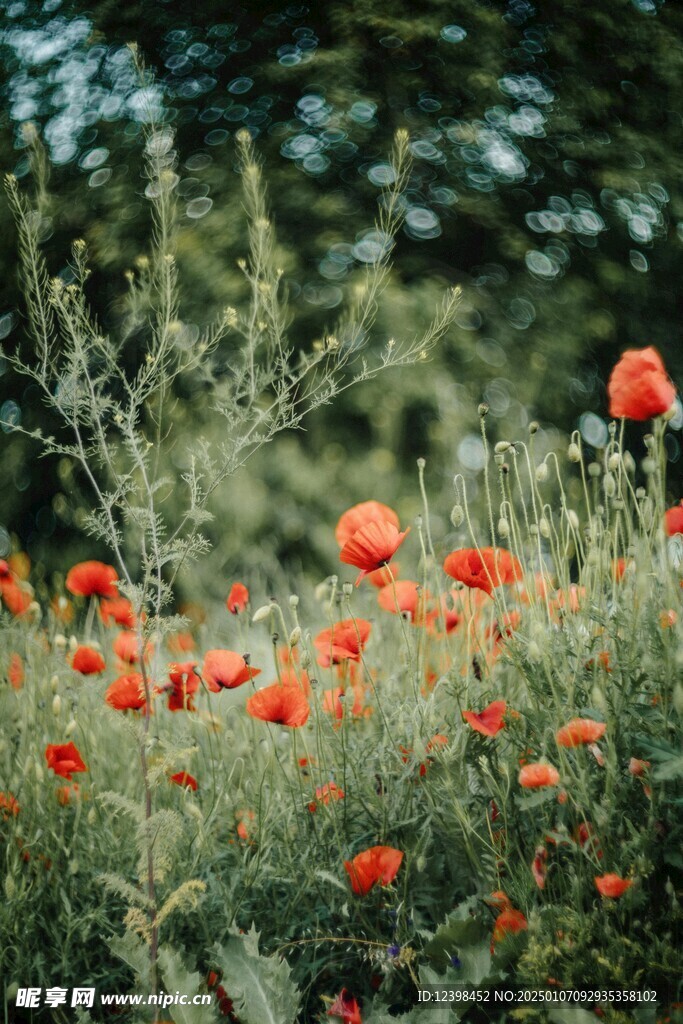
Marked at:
<point>181,643</point>
<point>285,705</point>
<point>126,693</point>
<point>118,610</point>
<point>539,867</point>
<point>345,1008</point>
<point>295,677</point>
<point>244,818</point>
<point>184,682</point>
<point>499,900</point>
<point>372,547</point>
<point>638,768</point>
<point>673,520</point>
<point>224,670</point>
<point>578,731</point>
<point>324,794</point>
<point>383,577</point>
<point>639,386</point>
<point>64,759</point>
<point>509,922</point>
<point>65,794</point>
<point>409,596</point>
<point>483,569</point>
<point>343,642</point>
<point>88,578</point>
<point>360,515</point>
<point>585,836</point>
<point>17,599</point>
<point>534,776</point>
<point>184,779</point>
<point>127,647</point>
<point>377,866</point>
<point>15,671</point>
<point>488,722</point>
<point>238,598</point>
<point>8,806</point>
<point>87,661</point>
<point>611,885</point>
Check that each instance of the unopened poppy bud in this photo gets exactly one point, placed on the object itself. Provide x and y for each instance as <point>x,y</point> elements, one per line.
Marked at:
<point>617,505</point>
<point>598,698</point>
<point>483,409</point>
<point>594,469</point>
<point>614,462</point>
<point>71,727</point>
<point>542,473</point>
<point>499,459</point>
<point>629,462</point>
<point>73,867</point>
<point>544,527</point>
<point>421,463</point>
<point>533,530</point>
<point>573,519</point>
<point>640,493</point>
<point>56,705</point>
<point>54,683</point>
<point>503,528</point>
<point>305,659</point>
<point>73,643</point>
<point>92,816</point>
<point>60,641</point>
<point>574,453</point>
<point>262,613</point>
<point>457,516</point>
<point>534,427</point>
<point>293,601</point>
<point>347,589</point>
<point>34,608</point>
<point>193,810</point>
<point>669,414</point>
<point>502,447</point>
<point>649,441</point>
<point>610,485</point>
<point>295,636</point>
<point>649,466</point>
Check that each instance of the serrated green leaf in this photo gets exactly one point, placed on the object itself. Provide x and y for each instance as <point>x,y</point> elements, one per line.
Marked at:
<point>672,768</point>
<point>135,953</point>
<point>451,937</point>
<point>260,986</point>
<point>178,979</point>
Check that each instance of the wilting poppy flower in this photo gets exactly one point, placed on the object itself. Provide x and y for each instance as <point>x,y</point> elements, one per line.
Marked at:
<point>126,693</point>
<point>184,779</point>
<point>184,682</point>
<point>15,671</point>
<point>535,776</point>
<point>407,595</point>
<point>224,670</point>
<point>489,721</point>
<point>539,867</point>
<point>498,899</point>
<point>64,759</point>
<point>324,794</point>
<point>127,647</point>
<point>639,386</point>
<point>238,598</point>
<point>585,836</point>
<point>383,577</point>
<point>483,569</point>
<point>673,520</point>
<point>578,731</point>
<point>17,599</point>
<point>377,866</point>
<point>360,515</point>
<point>118,610</point>
<point>285,705</point>
<point>637,767</point>
<point>8,806</point>
<point>343,642</point>
<point>345,1008</point>
<point>88,578</point>
<point>612,885</point>
<point>508,922</point>
<point>372,547</point>
<point>87,661</point>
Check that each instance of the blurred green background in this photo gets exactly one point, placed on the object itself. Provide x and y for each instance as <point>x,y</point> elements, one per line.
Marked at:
<point>546,181</point>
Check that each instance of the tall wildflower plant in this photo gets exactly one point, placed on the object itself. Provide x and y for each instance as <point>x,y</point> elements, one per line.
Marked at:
<point>115,395</point>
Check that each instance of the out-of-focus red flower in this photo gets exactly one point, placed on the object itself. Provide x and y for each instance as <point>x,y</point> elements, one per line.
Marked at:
<point>15,671</point>
<point>284,705</point>
<point>343,642</point>
<point>224,670</point>
<point>324,794</point>
<point>585,836</point>
<point>488,722</point>
<point>238,599</point>
<point>539,866</point>
<point>603,661</point>
<point>181,643</point>
<point>372,547</point>
<point>89,578</point>
<point>377,866</point>
<point>639,386</point>
<point>508,922</point>
<point>345,1008</point>
<point>184,684</point>
<point>184,779</point>
<point>16,598</point>
<point>9,807</point>
<point>64,759</point>
<point>483,569</point>
<point>383,577</point>
<point>118,610</point>
<point>409,596</point>
<point>360,515</point>
<point>535,776</point>
<point>126,693</point>
<point>637,767</point>
<point>87,661</point>
<point>611,885</point>
<point>65,794</point>
<point>578,731</point>
<point>668,619</point>
<point>244,818</point>
<point>673,519</point>
<point>127,647</point>
<point>62,609</point>
<point>295,677</point>
<point>498,899</point>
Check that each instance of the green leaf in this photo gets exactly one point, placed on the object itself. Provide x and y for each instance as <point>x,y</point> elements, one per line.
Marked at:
<point>672,768</point>
<point>135,953</point>
<point>259,986</point>
<point>460,929</point>
<point>178,979</point>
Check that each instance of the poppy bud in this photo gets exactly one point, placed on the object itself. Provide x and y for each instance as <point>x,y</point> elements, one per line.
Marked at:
<point>295,636</point>
<point>421,463</point>
<point>73,643</point>
<point>262,613</point>
<point>629,462</point>
<point>573,519</point>
<point>499,460</point>
<point>483,409</point>
<point>293,601</point>
<point>542,473</point>
<point>534,652</point>
<point>92,816</point>
<point>60,641</point>
<point>56,705</point>
<point>544,527</point>
<point>594,469</point>
<point>502,447</point>
<point>534,427</point>
<point>71,727</point>
<point>54,683</point>
<point>457,516</point>
<point>503,528</point>
<point>573,453</point>
<point>610,485</point>
<point>614,462</point>
<point>533,530</point>
<point>347,589</point>
<point>618,505</point>
<point>649,466</point>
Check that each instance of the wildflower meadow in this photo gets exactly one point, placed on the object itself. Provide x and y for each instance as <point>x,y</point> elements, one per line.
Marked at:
<point>435,773</point>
